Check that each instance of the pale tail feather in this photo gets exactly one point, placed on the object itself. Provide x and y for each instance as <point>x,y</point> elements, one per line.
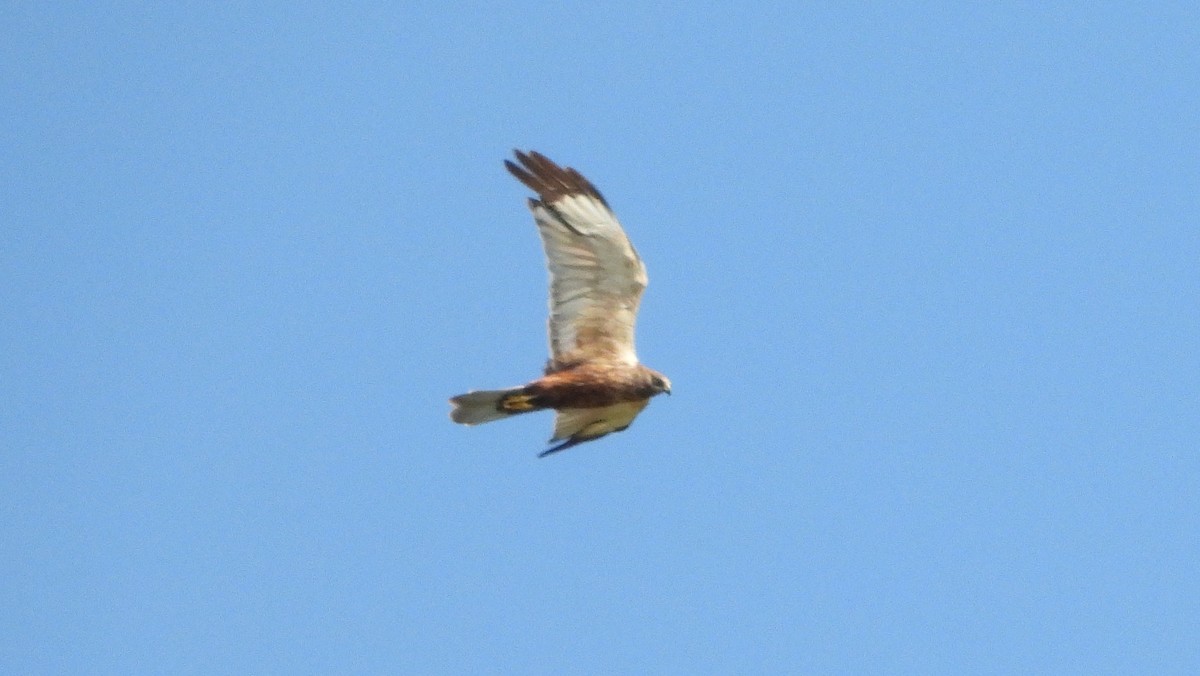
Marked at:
<point>476,408</point>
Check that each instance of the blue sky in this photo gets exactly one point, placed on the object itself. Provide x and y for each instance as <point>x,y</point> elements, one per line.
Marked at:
<point>924,276</point>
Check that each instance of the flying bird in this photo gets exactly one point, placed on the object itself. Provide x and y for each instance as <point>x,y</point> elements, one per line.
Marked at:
<point>593,380</point>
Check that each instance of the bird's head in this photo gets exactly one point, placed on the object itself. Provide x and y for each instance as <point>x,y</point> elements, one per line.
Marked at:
<point>659,383</point>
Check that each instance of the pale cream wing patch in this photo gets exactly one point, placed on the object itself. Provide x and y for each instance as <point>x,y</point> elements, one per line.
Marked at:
<point>596,280</point>
<point>596,276</point>
<point>589,423</point>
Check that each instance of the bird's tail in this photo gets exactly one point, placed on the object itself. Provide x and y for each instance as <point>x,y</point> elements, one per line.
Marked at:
<point>476,408</point>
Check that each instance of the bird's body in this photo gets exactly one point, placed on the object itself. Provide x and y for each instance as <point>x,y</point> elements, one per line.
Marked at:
<point>593,379</point>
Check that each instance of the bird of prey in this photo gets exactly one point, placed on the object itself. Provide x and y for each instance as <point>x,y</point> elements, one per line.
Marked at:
<point>593,379</point>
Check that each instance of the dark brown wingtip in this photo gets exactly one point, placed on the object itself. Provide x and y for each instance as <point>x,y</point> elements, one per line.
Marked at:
<point>550,181</point>
<point>573,441</point>
<point>523,176</point>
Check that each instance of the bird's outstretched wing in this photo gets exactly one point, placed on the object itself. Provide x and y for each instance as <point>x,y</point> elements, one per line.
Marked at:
<point>596,276</point>
<point>576,425</point>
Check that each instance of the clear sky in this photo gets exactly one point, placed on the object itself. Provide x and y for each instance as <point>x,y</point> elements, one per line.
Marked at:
<point>924,276</point>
